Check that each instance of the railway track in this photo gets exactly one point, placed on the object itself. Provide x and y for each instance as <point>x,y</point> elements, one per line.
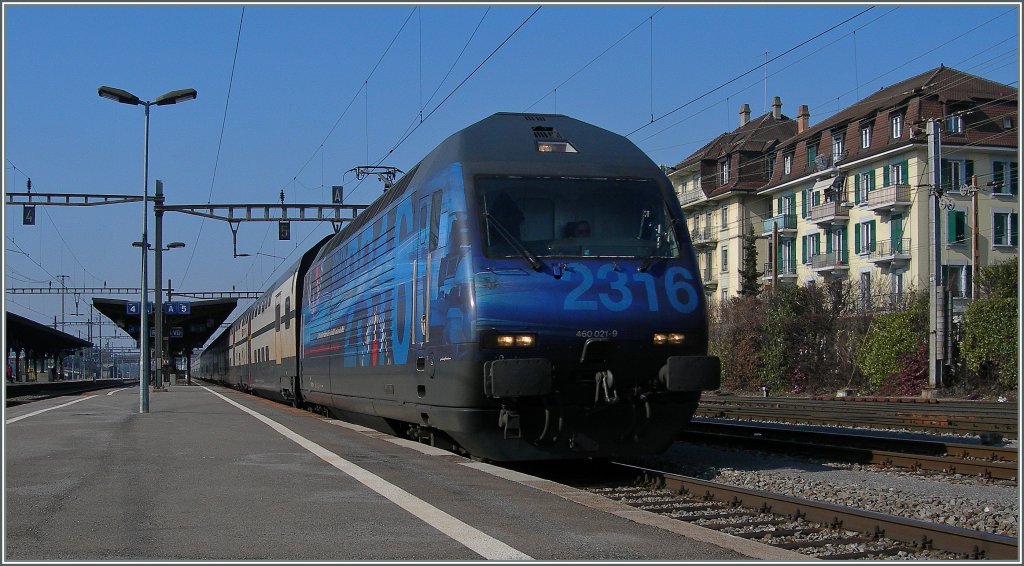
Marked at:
<point>930,456</point>
<point>915,414</point>
<point>818,529</point>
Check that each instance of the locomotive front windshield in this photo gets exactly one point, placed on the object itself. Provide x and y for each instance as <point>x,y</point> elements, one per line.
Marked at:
<point>575,217</point>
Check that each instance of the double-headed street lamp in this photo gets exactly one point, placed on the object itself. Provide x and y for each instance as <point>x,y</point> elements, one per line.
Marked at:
<point>125,97</point>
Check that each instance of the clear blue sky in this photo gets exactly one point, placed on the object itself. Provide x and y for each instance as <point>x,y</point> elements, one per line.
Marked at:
<point>290,112</point>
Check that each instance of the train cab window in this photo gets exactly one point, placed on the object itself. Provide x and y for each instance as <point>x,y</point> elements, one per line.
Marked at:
<point>575,217</point>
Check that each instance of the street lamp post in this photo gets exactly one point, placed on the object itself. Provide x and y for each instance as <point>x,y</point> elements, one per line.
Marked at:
<point>125,97</point>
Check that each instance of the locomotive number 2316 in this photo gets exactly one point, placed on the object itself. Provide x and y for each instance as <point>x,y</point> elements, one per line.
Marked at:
<point>677,282</point>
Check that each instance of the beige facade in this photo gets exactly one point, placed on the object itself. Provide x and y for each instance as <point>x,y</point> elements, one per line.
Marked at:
<point>851,198</point>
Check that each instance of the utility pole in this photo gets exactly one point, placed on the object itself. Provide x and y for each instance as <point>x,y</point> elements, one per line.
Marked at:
<point>63,286</point>
<point>975,253</point>
<point>936,342</point>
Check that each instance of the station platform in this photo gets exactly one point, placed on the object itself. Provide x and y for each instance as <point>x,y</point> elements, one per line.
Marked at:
<point>214,474</point>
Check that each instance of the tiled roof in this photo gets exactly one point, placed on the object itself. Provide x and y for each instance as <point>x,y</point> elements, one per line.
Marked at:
<point>757,135</point>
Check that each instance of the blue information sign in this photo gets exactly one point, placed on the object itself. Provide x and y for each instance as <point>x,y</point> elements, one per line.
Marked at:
<point>177,307</point>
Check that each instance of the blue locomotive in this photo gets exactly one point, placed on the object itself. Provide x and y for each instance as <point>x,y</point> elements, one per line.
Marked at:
<point>528,291</point>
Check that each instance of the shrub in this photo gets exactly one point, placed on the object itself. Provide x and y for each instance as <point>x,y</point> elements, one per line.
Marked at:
<point>991,341</point>
<point>889,337</point>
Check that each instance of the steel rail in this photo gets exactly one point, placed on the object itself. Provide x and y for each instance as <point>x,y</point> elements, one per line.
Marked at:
<point>919,534</point>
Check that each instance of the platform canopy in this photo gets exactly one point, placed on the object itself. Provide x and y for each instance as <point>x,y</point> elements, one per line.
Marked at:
<point>187,328</point>
<point>31,336</point>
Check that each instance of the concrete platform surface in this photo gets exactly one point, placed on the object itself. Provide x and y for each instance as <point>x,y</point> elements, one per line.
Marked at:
<point>214,474</point>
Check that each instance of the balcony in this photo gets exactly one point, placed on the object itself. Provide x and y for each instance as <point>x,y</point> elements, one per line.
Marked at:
<point>829,213</point>
<point>886,251</point>
<point>829,161</point>
<point>786,224</point>
<point>787,271</point>
<point>824,264</point>
<point>893,198</point>
<point>687,197</point>
<point>704,236</point>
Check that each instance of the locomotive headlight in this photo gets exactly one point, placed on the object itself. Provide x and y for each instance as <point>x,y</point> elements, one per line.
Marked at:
<point>512,340</point>
<point>525,340</point>
<point>662,338</point>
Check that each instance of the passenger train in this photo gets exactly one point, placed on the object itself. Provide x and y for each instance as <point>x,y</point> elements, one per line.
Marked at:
<point>528,291</point>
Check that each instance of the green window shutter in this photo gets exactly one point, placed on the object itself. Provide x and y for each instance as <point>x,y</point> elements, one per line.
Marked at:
<point>792,205</point>
<point>871,180</point>
<point>1013,229</point>
<point>1013,178</point>
<point>792,258</point>
<point>817,198</point>
<point>803,249</point>
<point>947,171</point>
<point>856,239</point>
<point>803,203</point>
<point>828,243</point>
<point>817,244</point>
<point>950,226</point>
<point>873,236</point>
<point>885,176</point>
<point>856,188</point>
<point>905,172</point>
<point>844,245</point>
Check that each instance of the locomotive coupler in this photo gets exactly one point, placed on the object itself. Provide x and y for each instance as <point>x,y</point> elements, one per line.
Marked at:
<point>508,421</point>
<point>605,383</point>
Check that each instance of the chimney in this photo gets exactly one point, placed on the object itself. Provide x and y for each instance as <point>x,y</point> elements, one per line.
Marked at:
<point>777,108</point>
<point>803,117</point>
<point>744,115</point>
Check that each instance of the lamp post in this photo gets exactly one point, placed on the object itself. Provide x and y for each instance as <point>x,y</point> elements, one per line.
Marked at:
<point>125,97</point>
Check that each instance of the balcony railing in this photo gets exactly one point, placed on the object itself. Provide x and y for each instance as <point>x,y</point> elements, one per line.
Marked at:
<point>704,235</point>
<point>686,197</point>
<point>828,212</point>
<point>786,269</point>
<point>827,161</point>
<point>888,197</point>
<point>783,221</point>
<point>887,251</point>
<point>830,261</point>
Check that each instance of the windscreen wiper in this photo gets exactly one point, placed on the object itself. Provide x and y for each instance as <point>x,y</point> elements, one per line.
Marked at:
<point>535,262</point>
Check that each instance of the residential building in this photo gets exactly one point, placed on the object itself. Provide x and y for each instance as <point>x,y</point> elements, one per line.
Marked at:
<point>717,188</point>
<point>851,197</point>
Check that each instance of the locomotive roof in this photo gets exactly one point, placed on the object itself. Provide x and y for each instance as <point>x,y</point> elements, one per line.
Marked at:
<point>507,143</point>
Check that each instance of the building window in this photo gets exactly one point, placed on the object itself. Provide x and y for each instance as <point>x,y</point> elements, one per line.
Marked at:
<point>1007,123</point>
<point>956,221</point>
<point>956,281</point>
<point>812,153</point>
<point>864,237</point>
<point>864,186</point>
<point>865,137</point>
<point>896,126</point>
<point>898,173</point>
<point>1004,229</point>
<point>865,290</point>
<point>787,164</point>
<point>725,219</point>
<point>770,167</point>
<point>724,168</point>
<point>725,260</point>
<point>838,145</point>
<point>696,181</point>
<point>896,289</point>
<point>1004,178</point>
<point>954,174</point>
<point>954,124</point>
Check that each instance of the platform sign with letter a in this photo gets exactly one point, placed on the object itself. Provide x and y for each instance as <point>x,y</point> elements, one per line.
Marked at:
<point>177,307</point>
